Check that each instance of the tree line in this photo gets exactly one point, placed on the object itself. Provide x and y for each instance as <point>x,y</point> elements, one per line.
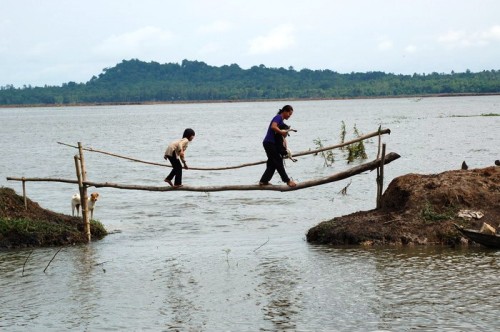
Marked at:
<point>135,81</point>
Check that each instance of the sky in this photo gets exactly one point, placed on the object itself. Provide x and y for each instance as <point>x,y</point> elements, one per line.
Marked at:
<point>52,42</point>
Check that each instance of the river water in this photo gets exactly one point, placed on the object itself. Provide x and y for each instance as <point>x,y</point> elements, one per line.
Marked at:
<point>238,261</point>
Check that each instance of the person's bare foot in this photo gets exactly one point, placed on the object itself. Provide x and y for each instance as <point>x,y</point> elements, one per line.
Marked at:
<point>291,183</point>
<point>177,185</point>
<point>265,184</point>
<point>169,182</point>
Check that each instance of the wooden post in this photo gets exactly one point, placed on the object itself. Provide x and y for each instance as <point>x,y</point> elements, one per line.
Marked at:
<point>380,179</point>
<point>24,195</point>
<point>80,188</point>
<point>378,170</point>
<point>83,194</point>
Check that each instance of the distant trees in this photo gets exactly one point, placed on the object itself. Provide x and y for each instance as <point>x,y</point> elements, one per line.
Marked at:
<point>135,81</point>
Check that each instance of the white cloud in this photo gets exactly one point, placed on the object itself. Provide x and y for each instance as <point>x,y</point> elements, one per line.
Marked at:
<point>385,45</point>
<point>451,37</point>
<point>278,39</point>
<point>215,27</point>
<point>410,49</point>
<point>492,33</point>
<point>209,48</point>
<point>147,39</point>
<point>463,39</point>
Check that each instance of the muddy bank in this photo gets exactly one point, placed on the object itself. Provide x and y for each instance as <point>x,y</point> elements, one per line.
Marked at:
<point>419,210</point>
<point>39,227</point>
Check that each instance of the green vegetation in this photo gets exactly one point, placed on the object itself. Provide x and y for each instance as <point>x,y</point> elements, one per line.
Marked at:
<point>135,81</point>
<point>31,232</point>
<point>354,150</point>
<point>327,156</point>
<point>430,215</point>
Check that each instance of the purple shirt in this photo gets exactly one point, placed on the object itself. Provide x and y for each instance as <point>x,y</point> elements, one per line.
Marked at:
<point>270,133</point>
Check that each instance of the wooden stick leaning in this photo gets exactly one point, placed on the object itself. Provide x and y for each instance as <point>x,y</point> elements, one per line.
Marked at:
<point>299,154</point>
<point>369,166</point>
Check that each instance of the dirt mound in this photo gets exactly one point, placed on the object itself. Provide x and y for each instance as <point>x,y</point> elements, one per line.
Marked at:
<point>12,207</point>
<point>419,209</point>
<point>36,226</point>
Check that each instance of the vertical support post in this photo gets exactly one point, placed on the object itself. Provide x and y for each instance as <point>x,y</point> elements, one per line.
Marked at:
<point>380,178</point>
<point>80,189</point>
<point>379,142</point>
<point>378,170</point>
<point>24,194</point>
<point>83,195</point>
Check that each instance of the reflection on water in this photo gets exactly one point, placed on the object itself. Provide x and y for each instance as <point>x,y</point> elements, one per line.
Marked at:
<point>238,261</point>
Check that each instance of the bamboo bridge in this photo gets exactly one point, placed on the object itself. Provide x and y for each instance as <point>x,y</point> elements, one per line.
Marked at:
<point>83,183</point>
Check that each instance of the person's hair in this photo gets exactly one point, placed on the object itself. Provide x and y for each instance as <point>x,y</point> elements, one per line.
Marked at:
<point>286,108</point>
<point>188,132</point>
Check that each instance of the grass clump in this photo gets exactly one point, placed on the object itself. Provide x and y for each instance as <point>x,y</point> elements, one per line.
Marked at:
<point>430,215</point>
<point>24,232</point>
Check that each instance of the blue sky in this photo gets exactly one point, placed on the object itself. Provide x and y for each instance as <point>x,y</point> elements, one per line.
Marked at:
<point>57,41</point>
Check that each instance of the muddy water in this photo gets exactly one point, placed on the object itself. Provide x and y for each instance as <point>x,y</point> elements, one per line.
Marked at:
<point>238,261</point>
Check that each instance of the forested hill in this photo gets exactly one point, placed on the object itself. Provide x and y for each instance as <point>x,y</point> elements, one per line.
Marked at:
<point>135,81</point>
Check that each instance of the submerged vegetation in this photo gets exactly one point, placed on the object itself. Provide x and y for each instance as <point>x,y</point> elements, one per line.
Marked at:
<point>356,150</point>
<point>328,156</point>
<point>353,151</point>
<point>135,81</point>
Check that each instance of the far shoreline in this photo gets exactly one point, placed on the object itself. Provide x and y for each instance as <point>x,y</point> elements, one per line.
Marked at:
<point>180,102</point>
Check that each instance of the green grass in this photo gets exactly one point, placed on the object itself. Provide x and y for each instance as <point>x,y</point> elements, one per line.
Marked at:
<point>429,214</point>
<point>26,232</point>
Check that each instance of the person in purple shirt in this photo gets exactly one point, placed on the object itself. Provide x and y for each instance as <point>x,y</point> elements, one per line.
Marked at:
<point>274,158</point>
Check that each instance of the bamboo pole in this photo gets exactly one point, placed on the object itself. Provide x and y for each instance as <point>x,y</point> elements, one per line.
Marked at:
<point>10,178</point>
<point>83,196</point>
<point>369,166</point>
<point>299,154</point>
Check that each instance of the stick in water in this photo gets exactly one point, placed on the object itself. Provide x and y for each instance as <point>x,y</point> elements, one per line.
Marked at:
<point>52,259</point>
<point>22,275</point>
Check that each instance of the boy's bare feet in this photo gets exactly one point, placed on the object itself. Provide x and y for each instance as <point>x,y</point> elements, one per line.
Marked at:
<point>291,183</point>
<point>169,182</point>
<point>177,185</point>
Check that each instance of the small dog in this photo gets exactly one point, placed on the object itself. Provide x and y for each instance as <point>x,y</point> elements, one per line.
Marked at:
<point>76,202</point>
<point>284,151</point>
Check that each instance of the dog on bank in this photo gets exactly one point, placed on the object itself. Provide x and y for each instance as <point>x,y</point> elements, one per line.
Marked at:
<point>76,202</point>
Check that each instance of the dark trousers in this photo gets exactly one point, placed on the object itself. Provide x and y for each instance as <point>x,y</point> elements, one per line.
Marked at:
<point>274,163</point>
<point>176,170</point>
